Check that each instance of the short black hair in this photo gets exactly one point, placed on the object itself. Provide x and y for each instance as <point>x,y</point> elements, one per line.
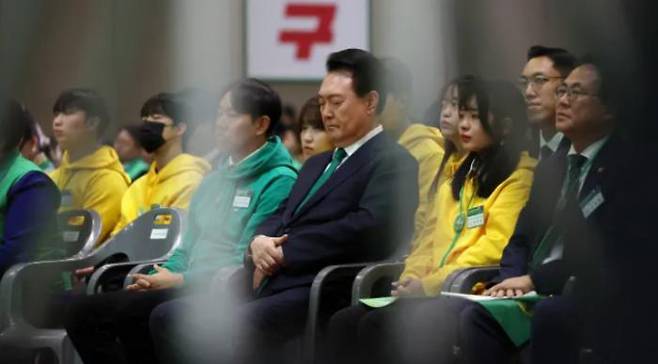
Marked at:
<point>563,61</point>
<point>16,121</point>
<point>132,130</point>
<point>86,100</point>
<point>256,98</point>
<point>364,68</point>
<point>167,104</point>
<point>504,101</point>
<point>397,79</point>
<point>607,76</point>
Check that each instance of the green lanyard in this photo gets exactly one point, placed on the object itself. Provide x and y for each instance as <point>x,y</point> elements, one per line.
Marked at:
<point>458,225</point>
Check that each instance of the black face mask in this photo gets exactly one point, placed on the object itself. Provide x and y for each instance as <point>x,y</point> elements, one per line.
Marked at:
<point>150,136</point>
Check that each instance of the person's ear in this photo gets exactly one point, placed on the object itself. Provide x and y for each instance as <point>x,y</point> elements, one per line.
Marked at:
<point>262,124</point>
<point>372,100</point>
<point>93,123</point>
<point>181,128</point>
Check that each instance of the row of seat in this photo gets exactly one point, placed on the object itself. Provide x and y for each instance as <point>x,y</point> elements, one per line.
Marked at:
<point>153,236</point>
<point>151,239</point>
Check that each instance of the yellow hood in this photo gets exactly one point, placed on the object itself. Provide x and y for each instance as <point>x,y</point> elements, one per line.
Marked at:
<point>182,164</point>
<point>173,186</point>
<point>95,182</point>
<point>103,158</point>
<point>419,133</point>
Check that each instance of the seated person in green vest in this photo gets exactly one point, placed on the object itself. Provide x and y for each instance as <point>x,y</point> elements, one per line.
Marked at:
<point>28,198</point>
<point>173,175</point>
<point>35,144</point>
<point>90,175</point>
<point>314,137</point>
<point>477,211</point>
<point>131,152</point>
<point>425,143</point>
<point>246,188</point>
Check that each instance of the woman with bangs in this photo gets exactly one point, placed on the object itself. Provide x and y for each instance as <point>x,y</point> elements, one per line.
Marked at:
<point>477,209</point>
<point>314,138</point>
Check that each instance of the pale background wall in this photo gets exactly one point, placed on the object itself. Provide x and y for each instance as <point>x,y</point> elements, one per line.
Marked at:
<point>129,50</point>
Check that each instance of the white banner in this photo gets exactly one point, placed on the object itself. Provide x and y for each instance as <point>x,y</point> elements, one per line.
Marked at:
<point>291,39</point>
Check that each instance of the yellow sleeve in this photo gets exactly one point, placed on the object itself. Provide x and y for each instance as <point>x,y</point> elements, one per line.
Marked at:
<point>103,195</point>
<point>428,155</point>
<point>126,215</point>
<point>419,262</point>
<point>188,185</point>
<point>499,226</point>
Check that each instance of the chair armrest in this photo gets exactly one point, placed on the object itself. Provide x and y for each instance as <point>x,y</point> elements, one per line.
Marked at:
<point>569,286</point>
<point>115,274</point>
<point>340,277</point>
<point>14,280</point>
<point>374,277</point>
<point>462,280</point>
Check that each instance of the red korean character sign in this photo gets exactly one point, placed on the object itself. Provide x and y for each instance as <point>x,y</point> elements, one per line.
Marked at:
<point>291,39</point>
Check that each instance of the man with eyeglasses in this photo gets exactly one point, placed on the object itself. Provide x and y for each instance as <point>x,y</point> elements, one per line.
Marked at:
<point>554,232</point>
<point>545,69</point>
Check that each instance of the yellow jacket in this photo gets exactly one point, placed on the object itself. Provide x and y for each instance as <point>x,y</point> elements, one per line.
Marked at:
<point>96,182</point>
<point>481,245</point>
<point>172,186</point>
<point>426,145</point>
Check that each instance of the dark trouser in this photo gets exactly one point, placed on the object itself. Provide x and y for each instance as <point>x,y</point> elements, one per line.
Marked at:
<point>482,339</point>
<point>229,330</point>
<point>408,331</point>
<point>113,327</point>
<point>556,332</point>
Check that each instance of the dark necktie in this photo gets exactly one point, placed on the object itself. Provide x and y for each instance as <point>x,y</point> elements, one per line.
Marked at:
<point>338,157</point>
<point>551,242</point>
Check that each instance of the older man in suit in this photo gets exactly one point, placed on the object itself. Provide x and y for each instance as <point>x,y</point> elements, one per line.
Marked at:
<point>552,237</point>
<point>555,233</point>
<point>353,204</point>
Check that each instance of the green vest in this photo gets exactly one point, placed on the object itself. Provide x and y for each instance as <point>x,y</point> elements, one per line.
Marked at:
<point>11,170</point>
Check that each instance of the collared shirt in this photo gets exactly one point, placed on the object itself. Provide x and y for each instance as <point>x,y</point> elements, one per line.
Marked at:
<point>352,148</point>
<point>230,158</point>
<point>553,144</point>
<point>590,153</point>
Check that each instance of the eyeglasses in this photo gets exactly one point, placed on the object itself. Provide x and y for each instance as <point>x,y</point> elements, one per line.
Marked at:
<point>571,93</point>
<point>536,81</point>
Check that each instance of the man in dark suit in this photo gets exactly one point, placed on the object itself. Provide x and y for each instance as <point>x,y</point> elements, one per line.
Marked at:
<point>353,204</point>
<point>545,68</point>
<point>554,235</point>
<point>569,195</point>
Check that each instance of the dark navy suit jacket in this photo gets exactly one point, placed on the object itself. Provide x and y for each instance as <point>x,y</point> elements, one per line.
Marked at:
<point>362,213</point>
<point>539,213</point>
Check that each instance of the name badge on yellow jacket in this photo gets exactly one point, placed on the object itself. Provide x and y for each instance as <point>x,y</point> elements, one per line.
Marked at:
<point>475,217</point>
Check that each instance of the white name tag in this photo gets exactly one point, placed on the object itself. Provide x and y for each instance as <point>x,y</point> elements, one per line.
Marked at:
<point>242,199</point>
<point>475,217</point>
<point>592,202</point>
<point>159,234</point>
<point>70,236</point>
